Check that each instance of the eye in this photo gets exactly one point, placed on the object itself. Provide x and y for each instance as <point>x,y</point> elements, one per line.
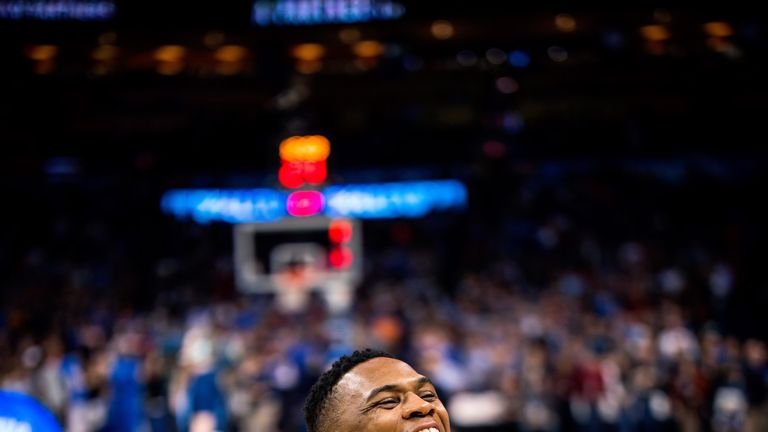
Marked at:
<point>387,403</point>
<point>428,396</point>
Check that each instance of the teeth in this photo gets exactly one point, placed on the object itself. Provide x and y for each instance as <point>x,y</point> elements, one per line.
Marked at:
<point>429,430</point>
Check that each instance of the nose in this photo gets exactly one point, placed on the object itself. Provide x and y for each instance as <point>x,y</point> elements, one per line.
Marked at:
<point>415,406</point>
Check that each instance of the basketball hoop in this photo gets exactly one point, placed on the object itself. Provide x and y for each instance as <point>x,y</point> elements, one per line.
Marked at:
<point>293,257</point>
<point>293,285</point>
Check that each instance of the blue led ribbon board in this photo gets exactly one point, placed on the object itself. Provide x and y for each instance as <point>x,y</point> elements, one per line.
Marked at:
<point>62,10</point>
<point>361,201</point>
<point>313,12</point>
<point>223,205</point>
<point>394,200</point>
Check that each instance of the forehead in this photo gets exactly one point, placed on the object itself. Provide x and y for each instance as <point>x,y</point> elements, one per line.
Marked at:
<point>375,373</point>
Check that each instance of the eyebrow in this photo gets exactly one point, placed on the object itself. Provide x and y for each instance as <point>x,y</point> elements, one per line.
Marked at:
<point>391,387</point>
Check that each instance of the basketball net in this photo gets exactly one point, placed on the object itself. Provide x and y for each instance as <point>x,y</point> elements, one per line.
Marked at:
<point>293,285</point>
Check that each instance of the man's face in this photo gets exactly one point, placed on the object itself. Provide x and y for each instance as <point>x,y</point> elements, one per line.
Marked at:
<point>387,395</point>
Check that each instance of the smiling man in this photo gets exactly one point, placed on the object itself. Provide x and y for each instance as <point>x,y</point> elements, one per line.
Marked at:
<point>372,391</point>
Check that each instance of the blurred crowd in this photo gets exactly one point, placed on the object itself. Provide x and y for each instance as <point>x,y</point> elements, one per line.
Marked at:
<point>590,304</point>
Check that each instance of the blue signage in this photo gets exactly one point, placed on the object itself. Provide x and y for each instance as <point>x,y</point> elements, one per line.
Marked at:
<point>363,201</point>
<point>22,413</point>
<point>62,10</point>
<point>311,12</point>
<point>232,206</point>
<point>393,200</point>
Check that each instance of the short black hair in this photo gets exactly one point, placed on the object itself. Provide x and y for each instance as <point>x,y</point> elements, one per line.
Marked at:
<point>316,405</point>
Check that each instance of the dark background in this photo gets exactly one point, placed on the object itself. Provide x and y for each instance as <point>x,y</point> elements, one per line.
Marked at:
<point>616,145</point>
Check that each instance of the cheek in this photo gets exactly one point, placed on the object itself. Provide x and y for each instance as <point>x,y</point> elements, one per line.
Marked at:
<point>384,421</point>
<point>443,414</point>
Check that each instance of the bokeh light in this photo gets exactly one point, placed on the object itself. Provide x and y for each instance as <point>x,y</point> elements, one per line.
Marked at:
<point>507,85</point>
<point>557,54</point>
<point>308,52</point>
<point>519,59</point>
<point>496,56</point>
<point>565,22</point>
<point>718,29</point>
<point>340,231</point>
<point>305,203</point>
<point>442,29</point>
<point>368,49</point>
<point>42,52</point>
<point>311,148</point>
<point>655,33</point>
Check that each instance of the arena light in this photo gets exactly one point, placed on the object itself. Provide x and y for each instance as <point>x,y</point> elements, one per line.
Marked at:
<point>656,37</point>
<point>303,160</point>
<point>718,29</point>
<point>170,59</point>
<point>294,174</point>
<point>340,257</point>
<point>305,203</point>
<point>42,52</point>
<point>289,176</point>
<point>315,173</point>
<point>441,29</point>
<point>230,53</point>
<point>312,148</point>
<point>44,57</point>
<point>230,59</point>
<point>170,53</point>
<point>340,231</point>
<point>655,33</point>
<point>565,22</point>
<point>308,52</point>
<point>368,49</point>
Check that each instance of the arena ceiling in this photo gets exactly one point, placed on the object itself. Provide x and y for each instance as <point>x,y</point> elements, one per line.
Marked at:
<point>525,82</point>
